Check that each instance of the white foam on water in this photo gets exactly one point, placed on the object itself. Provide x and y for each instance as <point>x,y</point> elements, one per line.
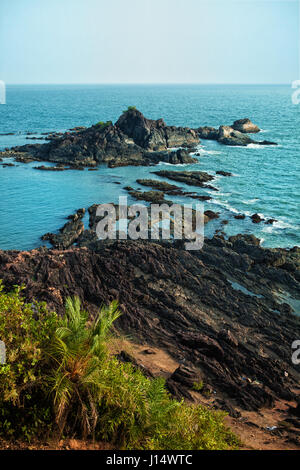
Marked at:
<point>202,150</point>
<point>250,201</point>
<point>172,164</point>
<point>225,205</point>
<point>255,146</point>
<point>282,225</point>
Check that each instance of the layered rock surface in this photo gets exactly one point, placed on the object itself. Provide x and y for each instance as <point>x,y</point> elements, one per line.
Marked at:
<point>237,342</point>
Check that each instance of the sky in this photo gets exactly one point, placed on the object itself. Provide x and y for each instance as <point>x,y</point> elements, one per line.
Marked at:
<point>149,41</point>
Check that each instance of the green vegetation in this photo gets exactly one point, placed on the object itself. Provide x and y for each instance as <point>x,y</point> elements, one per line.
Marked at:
<point>60,379</point>
<point>130,108</point>
<point>103,125</point>
<point>198,386</point>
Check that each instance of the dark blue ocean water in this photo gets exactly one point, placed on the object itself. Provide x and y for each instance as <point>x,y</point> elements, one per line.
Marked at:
<point>266,179</point>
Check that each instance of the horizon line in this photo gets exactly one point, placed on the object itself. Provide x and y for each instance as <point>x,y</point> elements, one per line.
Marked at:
<point>146,83</point>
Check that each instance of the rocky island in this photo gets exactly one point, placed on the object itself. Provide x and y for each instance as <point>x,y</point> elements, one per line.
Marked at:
<point>132,140</point>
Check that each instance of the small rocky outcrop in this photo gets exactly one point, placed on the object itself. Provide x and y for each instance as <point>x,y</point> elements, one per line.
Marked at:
<point>235,135</point>
<point>69,233</point>
<point>191,178</point>
<point>245,126</point>
<point>228,136</point>
<point>256,218</point>
<point>223,173</point>
<point>171,189</point>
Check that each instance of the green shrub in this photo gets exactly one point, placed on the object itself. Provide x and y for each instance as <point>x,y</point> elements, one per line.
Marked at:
<point>103,125</point>
<point>26,330</point>
<point>59,372</point>
<point>198,386</point>
<point>130,108</point>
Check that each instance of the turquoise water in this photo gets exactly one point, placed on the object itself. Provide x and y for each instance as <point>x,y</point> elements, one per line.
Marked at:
<point>266,179</point>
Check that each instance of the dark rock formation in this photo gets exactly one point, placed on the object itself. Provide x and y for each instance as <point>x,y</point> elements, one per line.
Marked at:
<point>234,135</point>
<point>133,140</point>
<point>233,342</point>
<point>50,168</point>
<point>256,218</point>
<point>209,133</point>
<point>270,221</point>
<point>154,135</point>
<point>171,189</point>
<point>155,197</point>
<point>223,173</point>
<point>191,178</point>
<point>69,233</point>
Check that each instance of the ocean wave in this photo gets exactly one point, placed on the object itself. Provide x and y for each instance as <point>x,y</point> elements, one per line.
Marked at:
<point>281,224</point>
<point>225,205</point>
<point>259,146</point>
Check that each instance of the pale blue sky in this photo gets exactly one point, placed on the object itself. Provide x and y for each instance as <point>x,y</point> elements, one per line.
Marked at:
<point>149,41</point>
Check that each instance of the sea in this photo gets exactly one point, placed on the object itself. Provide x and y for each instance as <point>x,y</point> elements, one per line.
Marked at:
<point>265,179</point>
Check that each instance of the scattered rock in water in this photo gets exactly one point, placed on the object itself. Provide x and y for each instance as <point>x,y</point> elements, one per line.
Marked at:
<point>240,216</point>
<point>271,221</point>
<point>266,142</point>
<point>50,168</point>
<point>212,215</point>
<point>171,189</point>
<point>223,173</point>
<point>256,218</point>
<point>191,178</point>
<point>69,233</point>
<point>155,197</point>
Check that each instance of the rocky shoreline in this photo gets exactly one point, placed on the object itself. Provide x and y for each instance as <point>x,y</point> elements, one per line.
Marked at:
<point>226,313</point>
<point>216,310</point>
<point>132,140</point>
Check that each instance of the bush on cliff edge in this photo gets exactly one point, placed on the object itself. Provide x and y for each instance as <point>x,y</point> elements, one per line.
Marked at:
<point>59,378</point>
